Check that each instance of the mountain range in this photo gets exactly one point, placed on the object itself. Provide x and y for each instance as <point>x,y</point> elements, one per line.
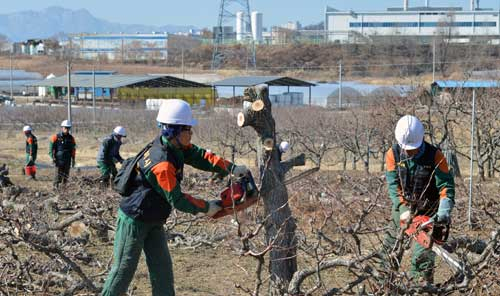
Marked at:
<point>58,21</point>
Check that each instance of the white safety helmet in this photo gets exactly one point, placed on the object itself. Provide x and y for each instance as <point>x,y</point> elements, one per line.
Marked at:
<point>409,132</point>
<point>27,128</point>
<point>120,131</point>
<point>175,111</point>
<point>284,146</point>
<point>66,123</point>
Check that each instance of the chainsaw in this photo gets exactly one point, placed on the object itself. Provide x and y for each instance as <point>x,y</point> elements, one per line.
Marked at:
<point>432,236</point>
<point>238,195</point>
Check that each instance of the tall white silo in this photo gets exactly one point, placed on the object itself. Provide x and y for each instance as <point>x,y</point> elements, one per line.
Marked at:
<point>240,25</point>
<point>257,18</point>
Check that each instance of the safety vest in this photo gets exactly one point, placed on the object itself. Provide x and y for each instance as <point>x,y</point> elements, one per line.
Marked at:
<point>31,148</point>
<point>63,146</point>
<point>145,203</point>
<point>418,185</point>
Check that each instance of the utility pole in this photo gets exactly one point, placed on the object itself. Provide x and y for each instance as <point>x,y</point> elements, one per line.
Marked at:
<point>182,60</point>
<point>68,71</point>
<point>434,60</point>
<point>471,171</point>
<point>11,78</point>
<point>122,51</point>
<point>340,85</point>
<point>93,94</point>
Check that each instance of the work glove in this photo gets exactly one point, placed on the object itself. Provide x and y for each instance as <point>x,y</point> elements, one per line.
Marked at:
<point>216,179</point>
<point>404,213</point>
<point>443,215</point>
<point>73,162</point>
<point>213,207</point>
<point>239,171</point>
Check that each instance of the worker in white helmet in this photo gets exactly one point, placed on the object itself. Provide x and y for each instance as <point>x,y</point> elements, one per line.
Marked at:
<point>109,154</point>
<point>419,183</point>
<point>142,213</point>
<point>283,148</point>
<point>62,150</point>
<point>31,152</point>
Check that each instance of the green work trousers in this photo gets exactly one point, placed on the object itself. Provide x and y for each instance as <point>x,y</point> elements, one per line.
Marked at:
<point>422,260</point>
<point>28,162</point>
<point>107,170</point>
<point>132,237</point>
<point>61,172</point>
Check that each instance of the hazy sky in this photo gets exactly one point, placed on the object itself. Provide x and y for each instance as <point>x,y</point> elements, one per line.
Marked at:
<point>204,13</point>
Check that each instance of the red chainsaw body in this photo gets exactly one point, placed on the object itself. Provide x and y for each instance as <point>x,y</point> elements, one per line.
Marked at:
<point>419,233</point>
<point>249,201</point>
<point>238,196</point>
<point>232,195</point>
<point>425,232</point>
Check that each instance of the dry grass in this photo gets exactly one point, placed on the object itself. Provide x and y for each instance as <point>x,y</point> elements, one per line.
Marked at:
<point>208,270</point>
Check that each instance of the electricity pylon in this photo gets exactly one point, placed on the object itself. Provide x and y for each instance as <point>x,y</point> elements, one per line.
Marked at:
<point>227,15</point>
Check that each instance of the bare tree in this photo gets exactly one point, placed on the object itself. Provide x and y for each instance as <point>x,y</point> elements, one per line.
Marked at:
<point>446,31</point>
<point>279,225</point>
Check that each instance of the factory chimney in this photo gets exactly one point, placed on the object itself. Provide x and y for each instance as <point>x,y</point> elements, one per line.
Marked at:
<point>471,4</point>
<point>405,5</point>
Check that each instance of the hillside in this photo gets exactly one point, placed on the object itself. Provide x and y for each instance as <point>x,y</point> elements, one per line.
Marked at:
<point>56,20</point>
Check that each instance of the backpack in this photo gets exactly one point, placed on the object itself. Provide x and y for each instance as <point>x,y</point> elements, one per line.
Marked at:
<point>125,177</point>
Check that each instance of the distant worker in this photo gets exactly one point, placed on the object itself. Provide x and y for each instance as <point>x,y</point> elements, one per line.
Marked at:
<point>283,148</point>
<point>62,150</point>
<point>143,212</point>
<point>419,183</point>
<point>4,179</point>
<point>109,154</point>
<point>31,152</point>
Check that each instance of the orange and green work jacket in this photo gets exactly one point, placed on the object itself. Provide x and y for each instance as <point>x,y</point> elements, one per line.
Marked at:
<point>62,148</point>
<point>31,146</point>
<point>419,182</point>
<point>158,186</point>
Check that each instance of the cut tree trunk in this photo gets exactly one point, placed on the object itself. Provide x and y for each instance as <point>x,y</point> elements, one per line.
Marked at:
<point>280,225</point>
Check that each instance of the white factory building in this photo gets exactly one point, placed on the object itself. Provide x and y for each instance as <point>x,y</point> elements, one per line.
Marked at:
<point>422,22</point>
<point>122,46</point>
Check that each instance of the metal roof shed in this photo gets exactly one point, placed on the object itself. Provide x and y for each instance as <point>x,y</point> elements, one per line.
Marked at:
<point>245,81</point>
<point>121,85</point>
<point>466,84</point>
<point>440,85</point>
<point>120,80</point>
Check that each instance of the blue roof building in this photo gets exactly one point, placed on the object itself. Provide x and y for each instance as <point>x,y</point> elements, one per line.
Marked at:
<point>455,85</point>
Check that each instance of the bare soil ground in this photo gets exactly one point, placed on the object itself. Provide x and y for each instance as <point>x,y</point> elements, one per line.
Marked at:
<point>208,261</point>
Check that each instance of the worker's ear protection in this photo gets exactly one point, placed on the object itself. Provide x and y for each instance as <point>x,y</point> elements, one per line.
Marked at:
<point>170,131</point>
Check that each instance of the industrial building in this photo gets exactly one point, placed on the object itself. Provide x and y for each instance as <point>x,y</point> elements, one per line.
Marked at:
<point>245,31</point>
<point>420,22</point>
<point>35,47</point>
<point>121,46</point>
